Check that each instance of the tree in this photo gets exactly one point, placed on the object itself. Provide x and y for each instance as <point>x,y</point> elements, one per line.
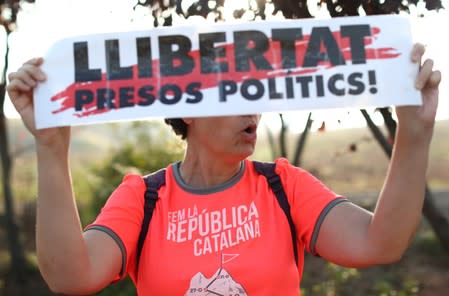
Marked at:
<point>8,16</point>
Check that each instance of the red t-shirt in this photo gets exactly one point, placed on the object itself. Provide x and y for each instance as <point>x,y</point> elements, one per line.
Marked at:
<point>230,240</point>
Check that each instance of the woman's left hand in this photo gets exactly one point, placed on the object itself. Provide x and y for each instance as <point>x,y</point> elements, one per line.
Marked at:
<point>417,122</point>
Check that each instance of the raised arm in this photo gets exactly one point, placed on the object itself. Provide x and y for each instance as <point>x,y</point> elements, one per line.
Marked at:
<point>70,262</point>
<point>351,236</point>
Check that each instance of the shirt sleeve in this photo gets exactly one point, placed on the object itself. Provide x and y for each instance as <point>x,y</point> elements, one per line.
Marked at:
<point>310,201</point>
<point>121,218</point>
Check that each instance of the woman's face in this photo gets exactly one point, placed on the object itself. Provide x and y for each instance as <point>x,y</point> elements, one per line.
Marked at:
<point>227,136</point>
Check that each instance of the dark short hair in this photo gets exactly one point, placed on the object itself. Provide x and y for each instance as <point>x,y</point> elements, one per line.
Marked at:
<point>178,125</point>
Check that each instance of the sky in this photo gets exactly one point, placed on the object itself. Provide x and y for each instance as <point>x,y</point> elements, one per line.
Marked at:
<point>43,23</point>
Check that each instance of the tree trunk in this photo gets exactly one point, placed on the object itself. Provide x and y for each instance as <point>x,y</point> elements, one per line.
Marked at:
<point>380,138</point>
<point>283,137</point>
<point>302,141</point>
<point>271,142</point>
<point>390,123</point>
<point>15,247</point>
<point>435,217</point>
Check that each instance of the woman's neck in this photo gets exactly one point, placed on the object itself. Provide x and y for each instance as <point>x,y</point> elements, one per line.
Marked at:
<point>207,171</point>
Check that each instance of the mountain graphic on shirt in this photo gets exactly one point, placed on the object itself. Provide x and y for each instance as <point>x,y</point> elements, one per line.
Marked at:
<point>220,284</point>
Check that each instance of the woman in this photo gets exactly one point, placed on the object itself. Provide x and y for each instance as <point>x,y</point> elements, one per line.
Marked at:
<point>216,228</point>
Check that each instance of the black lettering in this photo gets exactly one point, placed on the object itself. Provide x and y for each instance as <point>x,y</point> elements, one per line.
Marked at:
<point>289,88</point>
<point>113,69</point>
<point>169,56</point>
<point>209,53</point>
<point>354,80</point>
<point>250,45</point>
<point>83,97</point>
<point>82,71</point>
<point>319,86</point>
<point>194,89</point>
<point>105,98</point>
<point>332,85</point>
<point>225,88</point>
<point>304,81</point>
<point>287,38</point>
<point>244,90</point>
<point>273,93</point>
<point>126,97</point>
<point>322,35</point>
<point>144,58</point>
<point>357,34</point>
<point>146,95</point>
<point>170,94</point>
<point>372,81</point>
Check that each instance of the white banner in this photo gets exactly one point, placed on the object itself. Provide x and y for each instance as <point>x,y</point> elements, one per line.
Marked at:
<point>228,69</point>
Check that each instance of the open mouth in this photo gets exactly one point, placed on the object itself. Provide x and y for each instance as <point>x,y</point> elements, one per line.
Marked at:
<point>250,129</point>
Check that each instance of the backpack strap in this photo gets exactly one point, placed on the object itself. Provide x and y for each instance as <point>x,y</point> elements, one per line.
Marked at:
<point>267,169</point>
<point>153,182</point>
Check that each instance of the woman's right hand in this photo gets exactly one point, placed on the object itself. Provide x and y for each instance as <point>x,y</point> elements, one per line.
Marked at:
<point>20,90</point>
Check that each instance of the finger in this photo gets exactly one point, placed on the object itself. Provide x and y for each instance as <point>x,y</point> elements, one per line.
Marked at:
<point>434,79</point>
<point>418,51</point>
<point>35,72</point>
<point>424,74</point>
<point>35,62</point>
<point>19,102</point>
<point>28,74</point>
<point>12,76</point>
<point>18,85</point>
<point>23,77</point>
